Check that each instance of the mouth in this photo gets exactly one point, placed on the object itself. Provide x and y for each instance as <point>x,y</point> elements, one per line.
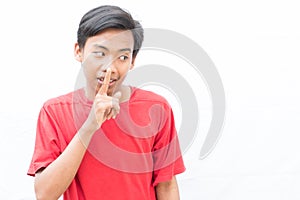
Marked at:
<point>111,82</point>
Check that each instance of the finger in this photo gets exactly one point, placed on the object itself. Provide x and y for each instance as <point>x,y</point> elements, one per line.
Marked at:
<point>97,88</point>
<point>102,108</point>
<point>115,110</point>
<point>117,95</point>
<point>115,106</point>
<point>116,101</point>
<point>104,87</point>
<point>103,105</point>
<point>113,114</point>
<point>109,114</point>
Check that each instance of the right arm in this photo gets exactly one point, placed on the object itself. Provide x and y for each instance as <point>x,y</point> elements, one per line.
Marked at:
<point>52,181</point>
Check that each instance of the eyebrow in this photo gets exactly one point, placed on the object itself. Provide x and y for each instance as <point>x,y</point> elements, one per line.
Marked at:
<point>103,47</point>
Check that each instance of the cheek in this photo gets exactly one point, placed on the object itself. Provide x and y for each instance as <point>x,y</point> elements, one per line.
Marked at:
<point>89,72</point>
<point>124,71</point>
<point>91,67</point>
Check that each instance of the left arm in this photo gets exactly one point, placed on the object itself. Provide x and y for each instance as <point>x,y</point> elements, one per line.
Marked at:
<point>167,190</point>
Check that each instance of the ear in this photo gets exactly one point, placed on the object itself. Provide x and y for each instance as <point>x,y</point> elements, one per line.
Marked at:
<point>132,63</point>
<point>77,52</point>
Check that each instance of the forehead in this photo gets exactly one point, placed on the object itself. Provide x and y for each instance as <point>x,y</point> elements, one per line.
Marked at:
<point>112,39</point>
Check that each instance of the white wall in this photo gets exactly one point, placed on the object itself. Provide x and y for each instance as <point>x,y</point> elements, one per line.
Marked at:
<point>255,46</point>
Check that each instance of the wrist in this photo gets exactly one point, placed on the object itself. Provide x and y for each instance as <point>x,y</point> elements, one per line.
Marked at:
<point>86,132</point>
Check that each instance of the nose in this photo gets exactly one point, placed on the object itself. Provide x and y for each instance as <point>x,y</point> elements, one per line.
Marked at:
<point>112,65</point>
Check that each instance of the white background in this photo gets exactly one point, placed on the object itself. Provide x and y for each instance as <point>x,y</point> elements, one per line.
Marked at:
<point>255,46</point>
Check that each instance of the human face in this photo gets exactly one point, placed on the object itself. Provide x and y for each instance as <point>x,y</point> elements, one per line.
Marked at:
<point>112,48</point>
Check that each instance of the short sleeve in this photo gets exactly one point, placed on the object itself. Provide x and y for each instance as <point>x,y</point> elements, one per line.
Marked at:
<point>167,156</point>
<point>47,147</point>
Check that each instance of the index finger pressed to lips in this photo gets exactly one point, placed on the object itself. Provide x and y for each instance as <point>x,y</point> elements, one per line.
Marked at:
<point>105,84</point>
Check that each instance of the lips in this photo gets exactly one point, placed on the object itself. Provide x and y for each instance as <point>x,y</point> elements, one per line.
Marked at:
<point>111,82</point>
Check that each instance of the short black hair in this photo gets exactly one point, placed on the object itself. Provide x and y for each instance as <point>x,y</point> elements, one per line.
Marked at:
<point>109,16</point>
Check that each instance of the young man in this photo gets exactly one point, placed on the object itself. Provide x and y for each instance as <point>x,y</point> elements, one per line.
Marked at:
<point>107,140</point>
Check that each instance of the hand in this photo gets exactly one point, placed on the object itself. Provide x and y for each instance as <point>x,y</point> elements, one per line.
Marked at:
<point>104,107</point>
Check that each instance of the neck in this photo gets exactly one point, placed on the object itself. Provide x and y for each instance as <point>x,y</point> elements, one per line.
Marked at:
<point>125,93</point>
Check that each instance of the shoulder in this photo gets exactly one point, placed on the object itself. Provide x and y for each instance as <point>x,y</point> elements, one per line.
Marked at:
<point>148,96</point>
<point>61,99</point>
<point>66,99</point>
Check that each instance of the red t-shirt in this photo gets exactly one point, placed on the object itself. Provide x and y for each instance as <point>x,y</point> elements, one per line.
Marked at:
<point>126,158</point>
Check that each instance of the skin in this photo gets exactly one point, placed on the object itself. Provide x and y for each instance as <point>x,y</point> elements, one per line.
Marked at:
<point>167,190</point>
<point>105,57</point>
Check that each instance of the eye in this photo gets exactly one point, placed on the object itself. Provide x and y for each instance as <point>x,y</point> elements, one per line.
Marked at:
<point>123,58</point>
<point>99,54</point>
